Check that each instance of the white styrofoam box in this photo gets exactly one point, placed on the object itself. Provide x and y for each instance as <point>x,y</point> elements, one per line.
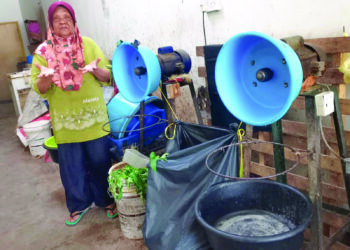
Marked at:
<point>324,103</point>
<point>135,158</point>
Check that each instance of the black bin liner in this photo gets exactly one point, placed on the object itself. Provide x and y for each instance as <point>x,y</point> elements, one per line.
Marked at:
<point>172,191</point>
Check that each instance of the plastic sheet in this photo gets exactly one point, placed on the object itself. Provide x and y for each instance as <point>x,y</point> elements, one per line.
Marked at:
<point>172,191</point>
<point>345,65</point>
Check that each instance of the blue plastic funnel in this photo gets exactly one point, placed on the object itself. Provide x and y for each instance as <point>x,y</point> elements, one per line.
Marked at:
<point>119,110</point>
<point>136,71</point>
<point>257,77</point>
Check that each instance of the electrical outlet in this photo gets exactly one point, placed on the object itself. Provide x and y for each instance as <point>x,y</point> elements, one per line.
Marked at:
<point>210,5</point>
<point>324,103</point>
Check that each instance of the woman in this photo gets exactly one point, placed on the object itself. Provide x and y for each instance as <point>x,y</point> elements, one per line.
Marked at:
<point>67,72</point>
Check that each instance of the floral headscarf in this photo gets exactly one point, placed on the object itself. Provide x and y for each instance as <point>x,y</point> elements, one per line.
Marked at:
<point>64,55</point>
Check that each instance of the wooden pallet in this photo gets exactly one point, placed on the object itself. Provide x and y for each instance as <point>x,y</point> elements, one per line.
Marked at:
<point>334,195</point>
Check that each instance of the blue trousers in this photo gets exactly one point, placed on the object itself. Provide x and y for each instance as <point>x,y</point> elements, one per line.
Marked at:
<point>84,170</point>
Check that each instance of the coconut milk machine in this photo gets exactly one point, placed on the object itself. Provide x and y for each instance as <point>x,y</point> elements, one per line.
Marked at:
<point>258,78</point>
<point>138,72</point>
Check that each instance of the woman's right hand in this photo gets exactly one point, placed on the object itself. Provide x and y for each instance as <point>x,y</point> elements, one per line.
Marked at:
<point>45,78</point>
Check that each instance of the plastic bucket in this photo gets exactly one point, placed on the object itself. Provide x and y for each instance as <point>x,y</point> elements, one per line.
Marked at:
<point>118,111</point>
<point>36,133</point>
<point>227,198</point>
<point>132,212</point>
<point>257,102</point>
<point>126,61</point>
<point>131,209</point>
<point>51,146</point>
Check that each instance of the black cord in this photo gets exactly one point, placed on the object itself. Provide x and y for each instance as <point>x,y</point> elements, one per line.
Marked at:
<point>205,37</point>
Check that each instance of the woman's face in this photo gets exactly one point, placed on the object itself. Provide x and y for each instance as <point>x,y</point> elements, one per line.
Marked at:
<point>62,22</point>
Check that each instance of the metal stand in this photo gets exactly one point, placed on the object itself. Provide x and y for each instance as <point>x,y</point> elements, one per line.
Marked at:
<point>186,82</point>
<point>278,151</point>
<point>314,164</point>
<point>142,125</point>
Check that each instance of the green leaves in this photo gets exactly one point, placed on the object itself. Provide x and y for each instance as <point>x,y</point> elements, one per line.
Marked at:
<point>126,176</point>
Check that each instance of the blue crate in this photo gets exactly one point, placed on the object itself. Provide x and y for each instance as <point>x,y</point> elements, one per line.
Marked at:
<point>119,145</point>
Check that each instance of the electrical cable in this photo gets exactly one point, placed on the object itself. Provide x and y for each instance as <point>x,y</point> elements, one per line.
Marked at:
<point>328,146</point>
<point>324,138</point>
<point>205,36</point>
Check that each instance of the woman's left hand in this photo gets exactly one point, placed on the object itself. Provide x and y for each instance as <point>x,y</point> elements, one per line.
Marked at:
<point>101,74</point>
<point>91,67</point>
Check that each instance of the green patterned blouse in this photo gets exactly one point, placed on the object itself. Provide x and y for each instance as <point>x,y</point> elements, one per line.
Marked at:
<point>77,116</point>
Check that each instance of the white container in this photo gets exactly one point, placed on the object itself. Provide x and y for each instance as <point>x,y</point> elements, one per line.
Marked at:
<point>135,158</point>
<point>36,133</point>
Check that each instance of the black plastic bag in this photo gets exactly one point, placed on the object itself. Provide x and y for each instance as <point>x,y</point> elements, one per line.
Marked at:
<point>172,191</point>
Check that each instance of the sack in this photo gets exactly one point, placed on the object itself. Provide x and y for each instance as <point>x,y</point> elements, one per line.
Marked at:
<point>172,190</point>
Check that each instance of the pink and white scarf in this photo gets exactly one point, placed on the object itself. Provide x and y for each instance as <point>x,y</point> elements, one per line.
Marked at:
<point>65,56</point>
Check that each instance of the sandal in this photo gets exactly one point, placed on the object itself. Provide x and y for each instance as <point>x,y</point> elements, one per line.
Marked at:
<point>80,213</point>
<point>111,209</point>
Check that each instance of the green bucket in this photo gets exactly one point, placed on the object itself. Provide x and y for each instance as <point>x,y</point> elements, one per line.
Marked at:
<point>51,146</point>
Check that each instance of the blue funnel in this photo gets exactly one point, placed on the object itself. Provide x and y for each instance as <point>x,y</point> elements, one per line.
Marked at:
<point>136,71</point>
<point>257,77</point>
<point>120,111</point>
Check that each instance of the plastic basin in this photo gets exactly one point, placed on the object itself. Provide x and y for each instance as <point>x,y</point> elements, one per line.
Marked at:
<point>279,199</point>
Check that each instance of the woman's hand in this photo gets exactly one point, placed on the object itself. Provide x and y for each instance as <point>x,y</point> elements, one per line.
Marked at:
<point>101,74</point>
<point>45,78</point>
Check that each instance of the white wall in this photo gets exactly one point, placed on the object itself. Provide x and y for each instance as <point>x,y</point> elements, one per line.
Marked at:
<point>10,12</point>
<point>178,23</point>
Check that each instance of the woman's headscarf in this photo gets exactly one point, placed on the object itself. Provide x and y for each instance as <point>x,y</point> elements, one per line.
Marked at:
<point>64,55</point>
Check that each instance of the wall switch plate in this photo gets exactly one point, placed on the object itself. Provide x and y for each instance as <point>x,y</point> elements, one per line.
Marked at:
<point>324,103</point>
<point>210,5</point>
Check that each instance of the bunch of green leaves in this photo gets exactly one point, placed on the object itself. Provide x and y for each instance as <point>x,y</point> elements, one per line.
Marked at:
<point>126,176</point>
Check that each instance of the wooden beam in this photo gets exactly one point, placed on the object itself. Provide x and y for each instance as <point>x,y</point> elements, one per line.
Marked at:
<point>337,236</point>
<point>331,44</point>
<point>247,152</point>
<point>327,162</point>
<point>337,195</point>
<point>331,76</point>
<point>299,129</point>
<point>345,106</point>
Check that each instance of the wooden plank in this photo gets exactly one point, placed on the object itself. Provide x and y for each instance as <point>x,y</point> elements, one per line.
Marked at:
<point>331,44</point>
<point>332,60</point>
<point>299,129</point>
<point>299,103</point>
<point>247,152</point>
<point>345,106</point>
<point>337,235</point>
<point>11,52</point>
<point>264,136</point>
<point>342,95</point>
<point>331,76</point>
<point>327,162</point>
<point>199,50</point>
<point>202,72</point>
<point>342,91</point>
<point>314,172</point>
<point>336,195</point>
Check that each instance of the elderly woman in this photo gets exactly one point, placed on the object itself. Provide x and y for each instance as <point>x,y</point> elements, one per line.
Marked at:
<point>68,72</point>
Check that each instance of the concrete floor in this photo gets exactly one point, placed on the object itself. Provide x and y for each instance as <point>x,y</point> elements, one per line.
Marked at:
<point>33,208</point>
